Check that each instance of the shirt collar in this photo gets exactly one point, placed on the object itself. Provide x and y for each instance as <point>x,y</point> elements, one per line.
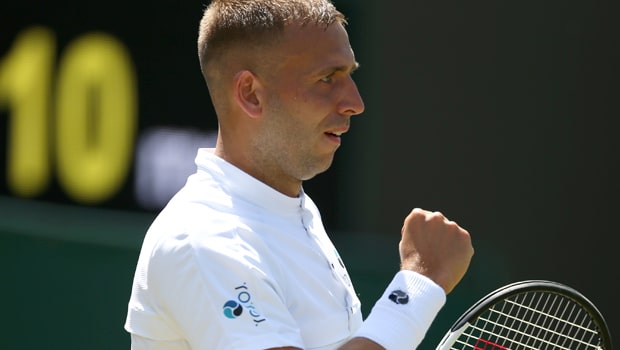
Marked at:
<point>240,184</point>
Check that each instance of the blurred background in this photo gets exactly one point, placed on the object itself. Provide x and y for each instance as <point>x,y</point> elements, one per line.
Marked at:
<point>502,115</point>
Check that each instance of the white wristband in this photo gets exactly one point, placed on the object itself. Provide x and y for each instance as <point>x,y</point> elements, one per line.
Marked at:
<point>403,315</point>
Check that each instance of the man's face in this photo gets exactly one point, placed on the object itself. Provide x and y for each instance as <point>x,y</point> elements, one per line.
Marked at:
<point>311,97</point>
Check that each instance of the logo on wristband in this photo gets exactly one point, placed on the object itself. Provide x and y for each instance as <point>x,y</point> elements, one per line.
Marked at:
<point>399,297</point>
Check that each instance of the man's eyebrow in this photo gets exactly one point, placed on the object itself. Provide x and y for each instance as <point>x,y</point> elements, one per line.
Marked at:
<point>349,69</point>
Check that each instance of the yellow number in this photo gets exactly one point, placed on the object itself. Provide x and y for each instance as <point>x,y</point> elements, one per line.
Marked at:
<point>96,117</point>
<point>25,78</point>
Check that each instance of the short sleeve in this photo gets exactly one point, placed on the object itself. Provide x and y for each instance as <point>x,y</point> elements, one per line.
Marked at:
<point>217,292</point>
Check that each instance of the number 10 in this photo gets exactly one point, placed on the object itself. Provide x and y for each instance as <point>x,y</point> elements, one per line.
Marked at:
<point>89,135</point>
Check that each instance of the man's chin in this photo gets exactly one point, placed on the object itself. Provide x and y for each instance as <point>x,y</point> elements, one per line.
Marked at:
<point>319,169</point>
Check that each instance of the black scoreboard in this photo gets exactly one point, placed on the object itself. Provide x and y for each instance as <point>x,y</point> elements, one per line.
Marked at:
<point>100,105</point>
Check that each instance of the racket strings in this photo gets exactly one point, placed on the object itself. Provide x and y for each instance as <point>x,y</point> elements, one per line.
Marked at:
<point>532,321</point>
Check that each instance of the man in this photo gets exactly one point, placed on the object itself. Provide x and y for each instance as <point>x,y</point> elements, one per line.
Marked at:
<point>239,258</point>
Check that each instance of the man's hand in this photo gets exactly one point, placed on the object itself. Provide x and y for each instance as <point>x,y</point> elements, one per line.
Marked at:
<point>435,247</point>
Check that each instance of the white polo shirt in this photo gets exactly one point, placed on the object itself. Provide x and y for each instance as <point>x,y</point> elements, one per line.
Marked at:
<point>231,263</point>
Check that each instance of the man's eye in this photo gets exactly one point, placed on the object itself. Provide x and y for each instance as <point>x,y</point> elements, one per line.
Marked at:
<point>327,79</point>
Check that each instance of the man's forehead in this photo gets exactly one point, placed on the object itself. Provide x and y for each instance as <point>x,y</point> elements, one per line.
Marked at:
<point>330,44</point>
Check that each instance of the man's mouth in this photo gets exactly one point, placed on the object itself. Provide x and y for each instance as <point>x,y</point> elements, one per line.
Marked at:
<point>336,133</point>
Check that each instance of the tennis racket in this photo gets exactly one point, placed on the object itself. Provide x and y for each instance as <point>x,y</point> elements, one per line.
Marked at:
<point>530,315</point>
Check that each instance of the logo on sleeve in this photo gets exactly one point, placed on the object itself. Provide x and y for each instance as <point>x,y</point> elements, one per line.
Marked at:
<point>234,308</point>
<point>399,297</point>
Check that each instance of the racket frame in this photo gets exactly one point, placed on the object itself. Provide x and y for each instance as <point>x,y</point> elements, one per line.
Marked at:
<point>509,290</point>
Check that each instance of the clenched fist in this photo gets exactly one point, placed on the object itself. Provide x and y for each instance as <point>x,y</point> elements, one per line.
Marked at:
<point>435,247</point>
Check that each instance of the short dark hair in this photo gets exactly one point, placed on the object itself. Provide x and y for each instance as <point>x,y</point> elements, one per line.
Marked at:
<point>255,23</point>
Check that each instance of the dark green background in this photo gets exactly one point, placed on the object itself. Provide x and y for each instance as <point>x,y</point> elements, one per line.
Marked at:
<point>502,115</point>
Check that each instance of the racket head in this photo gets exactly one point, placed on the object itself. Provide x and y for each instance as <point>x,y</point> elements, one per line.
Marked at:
<point>530,315</point>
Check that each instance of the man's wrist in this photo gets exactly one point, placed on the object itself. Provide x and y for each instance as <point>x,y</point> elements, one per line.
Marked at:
<point>405,311</point>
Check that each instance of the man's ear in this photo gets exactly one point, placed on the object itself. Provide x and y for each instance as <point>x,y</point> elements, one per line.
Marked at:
<point>247,93</point>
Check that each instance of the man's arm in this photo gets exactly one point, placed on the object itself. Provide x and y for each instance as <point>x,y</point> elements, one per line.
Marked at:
<point>434,247</point>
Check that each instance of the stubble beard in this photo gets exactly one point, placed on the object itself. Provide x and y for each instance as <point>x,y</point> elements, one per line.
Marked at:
<point>286,149</point>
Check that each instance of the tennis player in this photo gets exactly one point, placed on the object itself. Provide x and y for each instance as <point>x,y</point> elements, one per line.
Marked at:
<point>239,258</point>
